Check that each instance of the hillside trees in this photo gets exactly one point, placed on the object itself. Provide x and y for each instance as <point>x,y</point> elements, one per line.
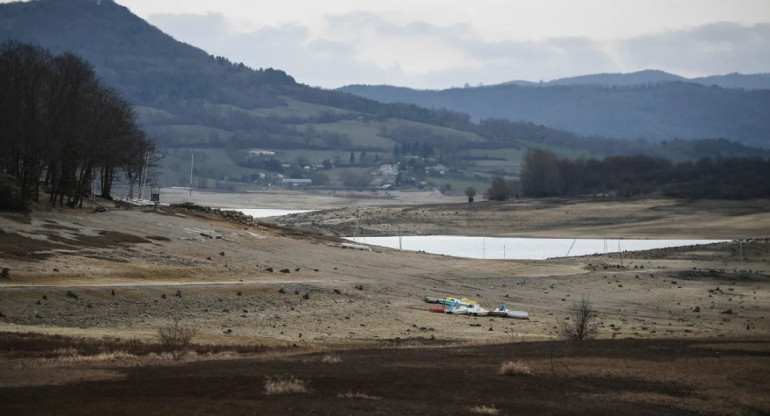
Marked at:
<point>544,175</point>
<point>60,125</point>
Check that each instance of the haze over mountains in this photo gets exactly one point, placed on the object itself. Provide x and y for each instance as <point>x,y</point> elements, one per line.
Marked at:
<point>652,105</point>
<point>187,99</point>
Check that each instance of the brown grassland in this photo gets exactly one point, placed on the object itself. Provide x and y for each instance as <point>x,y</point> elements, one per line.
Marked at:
<point>285,320</point>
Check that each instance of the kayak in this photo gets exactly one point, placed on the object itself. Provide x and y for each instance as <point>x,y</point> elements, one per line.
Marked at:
<point>459,310</point>
<point>478,311</point>
<point>507,313</point>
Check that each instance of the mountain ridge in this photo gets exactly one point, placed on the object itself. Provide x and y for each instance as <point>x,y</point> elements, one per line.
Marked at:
<point>653,111</point>
<point>654,76</point>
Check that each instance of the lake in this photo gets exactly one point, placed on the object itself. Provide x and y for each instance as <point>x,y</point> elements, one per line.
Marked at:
<point>501,248</point>
<point>520,248</point>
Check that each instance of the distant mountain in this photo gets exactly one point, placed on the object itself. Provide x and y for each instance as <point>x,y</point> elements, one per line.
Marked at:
<point>652,105</point>
<point>635,78</point>
<point>651,76</point>
<point>149,67</point>
<point>748,82</point>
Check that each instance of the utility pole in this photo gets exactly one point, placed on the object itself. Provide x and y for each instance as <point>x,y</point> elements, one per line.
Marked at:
<point>192,163</point>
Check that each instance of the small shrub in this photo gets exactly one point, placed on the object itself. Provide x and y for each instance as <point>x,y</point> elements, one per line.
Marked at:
<point>484,410</point>
<point>176,339</point>
<point>285,385</point>
<point>515,368</point>
<point>331,359</point>
<point>358,395</point>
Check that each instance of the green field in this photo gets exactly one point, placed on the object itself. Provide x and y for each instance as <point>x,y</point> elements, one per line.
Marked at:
<point>295,108</point>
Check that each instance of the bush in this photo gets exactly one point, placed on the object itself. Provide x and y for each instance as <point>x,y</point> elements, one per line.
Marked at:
<point>176,339</point>
<point>581,323</point>
<point>484,410</point>
<point>285,385</point>
<point>515,368</point>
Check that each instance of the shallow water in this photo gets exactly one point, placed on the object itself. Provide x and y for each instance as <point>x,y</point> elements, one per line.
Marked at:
<point>521,248</point>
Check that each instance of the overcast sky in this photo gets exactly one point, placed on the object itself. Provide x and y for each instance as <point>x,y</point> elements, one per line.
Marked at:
<point>445,43</point>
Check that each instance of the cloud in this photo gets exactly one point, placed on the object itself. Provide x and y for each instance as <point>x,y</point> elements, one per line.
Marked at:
<point>716,48</point>
<point>364,47</point>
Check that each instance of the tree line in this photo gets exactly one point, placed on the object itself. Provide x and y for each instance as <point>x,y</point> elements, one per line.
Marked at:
<point>543,175</point>
<point>60,126</point>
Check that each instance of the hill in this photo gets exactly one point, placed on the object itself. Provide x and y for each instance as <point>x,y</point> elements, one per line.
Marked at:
<point>652,105</point>
<point>651,76</point>
<point>247,126</point>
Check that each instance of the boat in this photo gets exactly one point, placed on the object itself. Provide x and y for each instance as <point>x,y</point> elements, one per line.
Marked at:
<point>478,311</point>
<point>450,300</point>
<point>507,313</point>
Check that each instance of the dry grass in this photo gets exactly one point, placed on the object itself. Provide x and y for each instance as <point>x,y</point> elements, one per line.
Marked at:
<point>515,368</point>
<point>484,410</point>
<point>358,395</point>
<point>331,359</point>
<point>285,385</point>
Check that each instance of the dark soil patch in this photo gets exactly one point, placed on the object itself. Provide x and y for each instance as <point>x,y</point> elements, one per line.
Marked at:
<point>720,275</point>
<point>14,246</point>
<point>110,239</point>
<point>59,227</point>
<point>409,381</point>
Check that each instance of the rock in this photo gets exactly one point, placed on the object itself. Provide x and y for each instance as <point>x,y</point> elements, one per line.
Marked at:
<point>5,273</point>
<point>285,271</point>
<point>337,291</point>
<point>71,294</point>
<point>269,269</point>
<point>178,293</point>
<point>163,296</point>
<point>306,296</point>
<point>45,297</point>
<point>239,293</point>
<point>281,290</point>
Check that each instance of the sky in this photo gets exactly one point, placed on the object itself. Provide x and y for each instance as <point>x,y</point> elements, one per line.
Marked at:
<point>436,44</point>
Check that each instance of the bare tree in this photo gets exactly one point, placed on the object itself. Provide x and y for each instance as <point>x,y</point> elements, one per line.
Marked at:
<point>176,339</point>
<point>581,322</point>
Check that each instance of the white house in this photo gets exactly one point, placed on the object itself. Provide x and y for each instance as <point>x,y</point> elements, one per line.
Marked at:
<point>388,170</point>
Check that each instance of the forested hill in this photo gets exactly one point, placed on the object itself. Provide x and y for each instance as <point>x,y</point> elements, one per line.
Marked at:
<point>149,67</point>
<point>152,69</point>
<point>658,111</point>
